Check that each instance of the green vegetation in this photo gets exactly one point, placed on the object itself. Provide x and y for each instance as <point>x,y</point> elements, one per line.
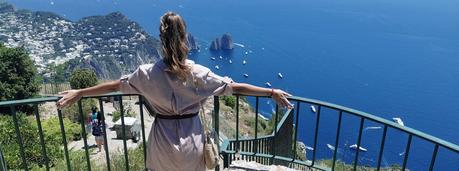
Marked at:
<point>340,165</point>
<point>83,78</point>
<point>73,113</point>
<point>29,131</point>
<point>78,161</point>
<point>17,74</point>
<point>230,101</point>
<point>18,77</point>
<point>127,111</point>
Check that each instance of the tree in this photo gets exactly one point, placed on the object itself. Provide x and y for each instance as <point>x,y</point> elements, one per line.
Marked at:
<point>18,75</point>
<point>83,78</point>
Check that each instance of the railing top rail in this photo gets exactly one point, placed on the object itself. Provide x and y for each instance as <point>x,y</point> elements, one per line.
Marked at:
<point>54,98</point>
<point>380,120</point>
<point>374,118</point>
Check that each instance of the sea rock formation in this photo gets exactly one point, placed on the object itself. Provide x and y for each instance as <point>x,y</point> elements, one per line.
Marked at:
<point>223,43</point>
<point>191,42</point>
<point>215,45</point>
<point>226,42</point>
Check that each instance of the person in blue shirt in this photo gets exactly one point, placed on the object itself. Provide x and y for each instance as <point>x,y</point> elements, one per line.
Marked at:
<point>98,123</point>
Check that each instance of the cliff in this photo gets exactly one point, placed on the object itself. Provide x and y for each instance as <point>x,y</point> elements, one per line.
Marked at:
<point>111,45</point>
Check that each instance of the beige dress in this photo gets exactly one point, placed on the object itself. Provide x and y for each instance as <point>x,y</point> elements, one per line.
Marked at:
<point>175,145</point>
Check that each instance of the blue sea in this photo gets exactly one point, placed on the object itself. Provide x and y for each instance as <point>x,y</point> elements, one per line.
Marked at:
<point>390,58</point>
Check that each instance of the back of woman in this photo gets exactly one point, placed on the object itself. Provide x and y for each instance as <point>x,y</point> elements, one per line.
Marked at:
<point>175,87</point>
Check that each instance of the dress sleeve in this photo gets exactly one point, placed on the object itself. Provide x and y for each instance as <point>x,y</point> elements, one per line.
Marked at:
<point>215,85</point>
<point>132,83</point>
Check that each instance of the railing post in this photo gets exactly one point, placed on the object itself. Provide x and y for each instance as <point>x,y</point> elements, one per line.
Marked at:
<point>42,139</point>
<point>2,161</point>
<point>283,139</point>
<point>104,130</point>
<point>237,123</point>
<point>216,125</point>
<point>19,137</point>
<point>338,129</point>
<point>316,134</point>
<point>64,139</point>
<point>123,129</point>
<point>255,145</point>
<point>83,131</point>
<point>381,149</point>
<point>142,121</point>
<point>296,130</point>
<point>359,140</point>
<point>216,120</point>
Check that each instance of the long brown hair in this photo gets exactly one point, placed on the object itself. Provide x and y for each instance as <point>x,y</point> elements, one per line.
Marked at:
<point>174,43</point>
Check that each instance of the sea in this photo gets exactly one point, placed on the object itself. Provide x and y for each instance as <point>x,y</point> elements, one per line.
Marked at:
<point>390,58</point>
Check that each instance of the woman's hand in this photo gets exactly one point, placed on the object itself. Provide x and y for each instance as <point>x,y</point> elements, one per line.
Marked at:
<point>281,98</point>
<point>69,97</point>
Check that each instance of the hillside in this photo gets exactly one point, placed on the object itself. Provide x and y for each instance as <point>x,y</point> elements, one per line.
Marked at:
<point>111,45</point>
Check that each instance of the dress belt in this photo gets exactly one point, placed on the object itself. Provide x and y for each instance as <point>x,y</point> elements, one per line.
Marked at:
<point>184,116</point>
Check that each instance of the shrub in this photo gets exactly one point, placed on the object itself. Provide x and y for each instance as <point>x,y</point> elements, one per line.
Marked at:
<point>29,132</point>
<point>52,128</point>
<point>73,113</point>
<point>127,110</point>
<point>18,78</point>
<point>230,101</point>
<point>83,78</point>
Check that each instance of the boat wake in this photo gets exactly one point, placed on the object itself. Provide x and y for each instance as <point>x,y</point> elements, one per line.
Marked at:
<point>240,45</point>
<point>372,127</point>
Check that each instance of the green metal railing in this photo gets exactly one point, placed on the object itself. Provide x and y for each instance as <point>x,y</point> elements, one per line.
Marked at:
<point>263,149</point>
<point>35,102</point>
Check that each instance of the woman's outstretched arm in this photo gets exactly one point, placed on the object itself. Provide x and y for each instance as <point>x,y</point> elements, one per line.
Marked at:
<point>72,96</point>
<point>247,89</point>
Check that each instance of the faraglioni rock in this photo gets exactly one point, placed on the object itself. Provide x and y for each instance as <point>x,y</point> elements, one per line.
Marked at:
<point>223,43</point>
<point>226,42</point>
<point>215,45</point>
<point>191,42</point>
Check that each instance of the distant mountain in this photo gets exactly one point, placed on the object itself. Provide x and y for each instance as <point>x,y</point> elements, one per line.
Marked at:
<point>111,45</point>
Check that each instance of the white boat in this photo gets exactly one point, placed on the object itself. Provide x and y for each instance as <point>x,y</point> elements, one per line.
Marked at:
<point>221,57</point>
<point>244,62</point>
<point>262,48</point>
<point>313,109</point>
<point>213,58</point>
<point>246,75</point>
<point>246,53</point>
<point>330,147</point>
<point>398,121</point>
<point>216,67</point>
<point>268,84</point>
<point>309,148</point>
<point>354,147</point>
<point>230,61</point>
<point>280,75</point>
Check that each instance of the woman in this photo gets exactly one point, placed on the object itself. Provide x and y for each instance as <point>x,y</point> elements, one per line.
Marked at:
<point>175,87</point>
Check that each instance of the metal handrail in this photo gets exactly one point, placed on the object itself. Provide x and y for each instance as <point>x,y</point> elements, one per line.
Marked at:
<point>227,146</point>
<point>380,120</point>
<point>231,146</point>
